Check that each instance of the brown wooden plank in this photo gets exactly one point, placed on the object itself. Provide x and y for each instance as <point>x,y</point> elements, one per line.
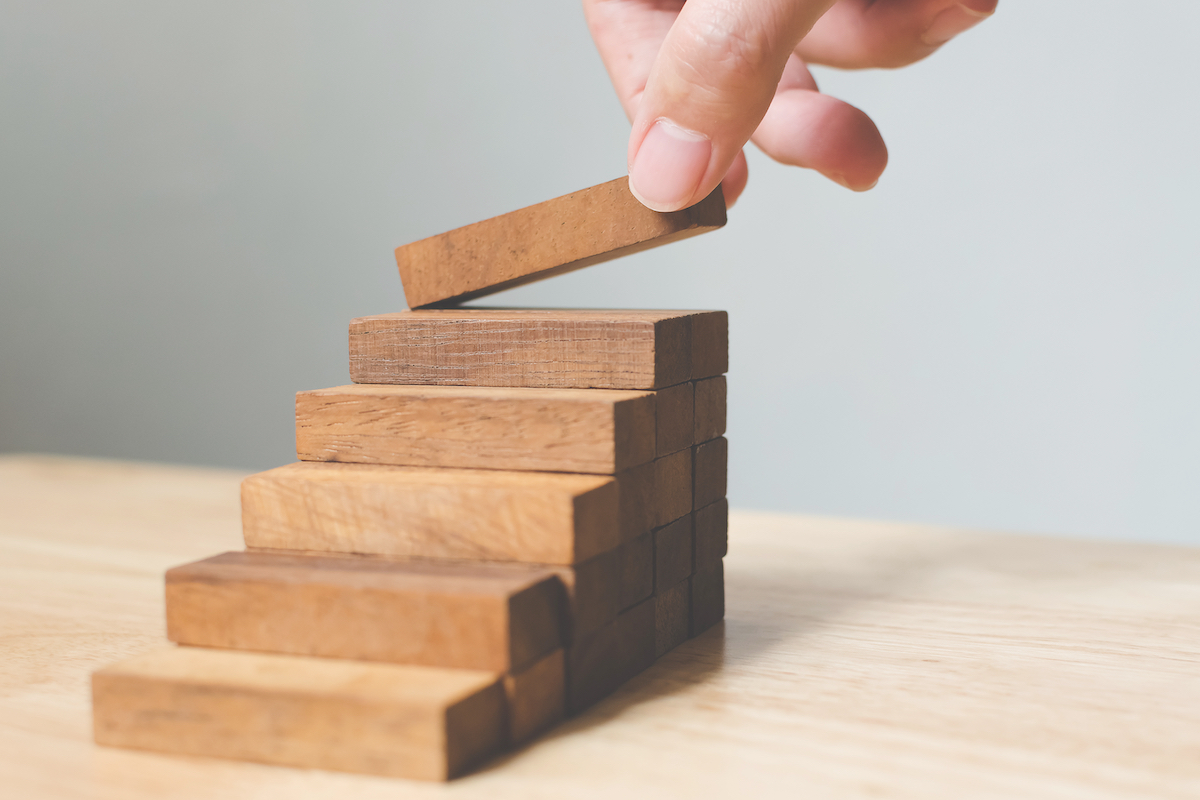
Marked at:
<point>711,533</point>
<point>675,409</point>
<point>708,597</point>
<point>537,697</point>
<point>635,567</point>
<point>494,617</point>
<point>709,414</point>
<point>560,235</point>
<point>672,487</point>
<point>600,663</point>
<point>711,470</point>
<point>322,713</point>
<point>671,617</point>
<point>673,553</point>
<point>710,345</point>
<point>488,515</point>
<point>545,348</point>
<point>597,431</point>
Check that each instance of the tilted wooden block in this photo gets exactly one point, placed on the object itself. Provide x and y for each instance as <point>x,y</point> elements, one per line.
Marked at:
<point>488,515</point>
<point>710,469</point>
<point>675,413</point>
<point>709,414</point>
<point>541,348</point>
<point>550,238</point>
<point>673,553</point>
<point>708,597</point>
<point>600,663</point>
<point>497,617</point>
<point>598,431</point>
<point>321,713</point>
<point>711,533</point>
<point>671,617</point>
<point>537,697</point>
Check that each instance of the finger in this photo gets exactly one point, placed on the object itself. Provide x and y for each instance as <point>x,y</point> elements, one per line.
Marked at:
<point>628,35</point>
<point>859,34</point>
<point>808,129</point>
<point>709,88</point>
<point>734,182</point>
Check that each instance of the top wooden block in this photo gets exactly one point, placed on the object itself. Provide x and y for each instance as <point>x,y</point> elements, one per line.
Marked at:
<point>540,348</point>
<point>550,238</point>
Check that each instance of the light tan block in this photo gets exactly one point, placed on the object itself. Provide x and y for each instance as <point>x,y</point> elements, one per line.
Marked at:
<point>493,617</point>
<point>560,235</point>
<point>548,348</point>
<point>675,409</point>
<point>598,431</point>
<point>537,697</point>
<point>709,414</point>
<point>487,515</point>
<point>671,618</point>
<point>711,468</point>
<point>318,713</point>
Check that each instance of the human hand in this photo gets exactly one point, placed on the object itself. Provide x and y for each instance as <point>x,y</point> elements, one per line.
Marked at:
<point>699,80</point>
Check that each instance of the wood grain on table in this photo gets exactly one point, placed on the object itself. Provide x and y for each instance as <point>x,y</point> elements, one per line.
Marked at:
<point>857,660</point>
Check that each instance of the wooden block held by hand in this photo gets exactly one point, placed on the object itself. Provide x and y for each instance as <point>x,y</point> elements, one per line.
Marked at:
<point>496,617</point>
<point>540,348</point>
<point>486,515</point>
<point>555,430</point>
<point>314,713</point>
<point>560,235</point>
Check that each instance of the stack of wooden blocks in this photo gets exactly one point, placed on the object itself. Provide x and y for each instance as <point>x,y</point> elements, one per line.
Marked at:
<point>506,516</point>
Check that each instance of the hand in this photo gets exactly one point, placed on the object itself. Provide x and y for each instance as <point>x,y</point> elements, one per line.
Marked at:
<point>700,80</point>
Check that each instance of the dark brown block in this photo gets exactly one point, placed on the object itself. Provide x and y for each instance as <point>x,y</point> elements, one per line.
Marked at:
<point>709,414</point>
<point>439,614</point>
<point>537,697</point>
<point>548,348</point>
<point>612,655</point>
<point>560,235</point>
<point>672,553</point>
<point>710,347</point>
<point>671,617</point>
<point>635,565</point>
<point>675,409</point>
<point>672,487</point>
<point>708,597</point>
<point>711,533</point>
<point>711,468</point>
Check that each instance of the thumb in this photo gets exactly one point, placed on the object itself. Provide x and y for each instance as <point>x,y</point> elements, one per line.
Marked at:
<point>709,88</point>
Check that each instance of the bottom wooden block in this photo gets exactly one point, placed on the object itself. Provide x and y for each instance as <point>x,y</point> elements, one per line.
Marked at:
<point>599,663</point>
<point>383,719</point>
<point>671,617</point>
<point>537,697</point>
<point>708,597</point>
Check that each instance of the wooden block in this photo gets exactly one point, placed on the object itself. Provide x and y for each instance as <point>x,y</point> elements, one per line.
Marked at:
<point>593,593</point>
<point>710,469</point>
<point>708,597</point>
<point>635,566</point>
<point>672,553</point>
<point>711,533</point>
<point>537,697</point>
<point>671,617</point>
<point>493,617</point>
<point>612,655</point>
<point>550,238</point>
<point>675,407</point>
<point>544,348</point>
<point>488,515</point>
<point>320,713</point>
<point>709,414</point>
<point>557,430</point>
<point>672,487</point>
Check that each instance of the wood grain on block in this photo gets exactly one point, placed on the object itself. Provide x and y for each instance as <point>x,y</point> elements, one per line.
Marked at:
<point>494,617</point>
<point>710,345</point>
<point>708,597</point>
<point>675,409</point>
<point>555,430</point>
<point>709,411</point>
<point>671,617</point>
<point>320,713</point>
<point>672,487</point>
<point>560,235</point>
<point>537,697</point>
<point>489,515</point>
<point>541,348</point>
<point>711,470</point>
<point>673,553</point>
<point>635,567</point>
<point>612,655</point>
<point>711,533</point>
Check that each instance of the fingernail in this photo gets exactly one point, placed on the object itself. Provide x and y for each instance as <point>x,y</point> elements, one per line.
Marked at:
<point>669,166</point>
<point>952,22</point>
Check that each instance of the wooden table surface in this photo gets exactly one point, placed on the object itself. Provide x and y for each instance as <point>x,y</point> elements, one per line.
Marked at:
<point>857,660</point>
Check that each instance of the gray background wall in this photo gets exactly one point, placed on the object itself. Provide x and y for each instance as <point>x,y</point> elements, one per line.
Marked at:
<point>195,198</point>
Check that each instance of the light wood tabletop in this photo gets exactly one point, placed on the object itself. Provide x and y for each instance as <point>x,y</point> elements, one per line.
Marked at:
<point>857,660</point>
